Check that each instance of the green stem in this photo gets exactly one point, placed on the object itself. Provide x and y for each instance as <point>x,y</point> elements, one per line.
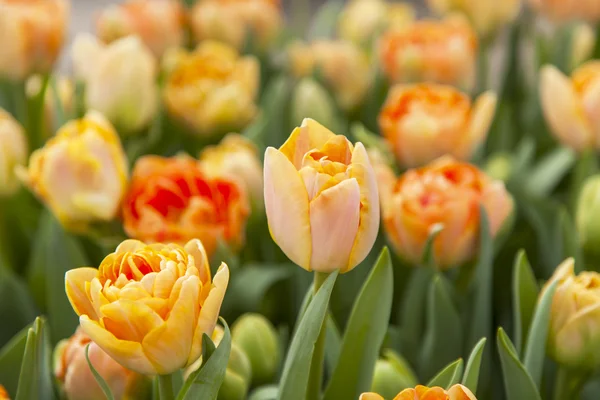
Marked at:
<point>315,379</point>
<point>35,120</point>
<point>165,387</point>
<point>568,384</point>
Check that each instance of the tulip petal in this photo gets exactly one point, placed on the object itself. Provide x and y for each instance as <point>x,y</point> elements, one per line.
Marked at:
<point>334,222</point>
<point>591,104</point>
<point>75,281</point>
<point>482,116</point>
<point>578,338</point>
<point>310,135</point>
<point>130,246</point>
<point>286,204</point>
<point>195,248</point>
<point>370,396</point>
<point>460,392</point>
<point>127,353</point>
<point>129,320</point>
<point>209,313</point>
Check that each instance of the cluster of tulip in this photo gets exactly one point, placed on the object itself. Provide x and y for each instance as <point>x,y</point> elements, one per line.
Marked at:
<point>156,196</point>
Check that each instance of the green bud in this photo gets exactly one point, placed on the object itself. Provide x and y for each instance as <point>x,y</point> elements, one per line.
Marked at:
<point>257,337</point>
<point>588,215</point>
<point>392,375</point>
<point>499,166</point>
<point>311,100</point>
<point>237,377</point>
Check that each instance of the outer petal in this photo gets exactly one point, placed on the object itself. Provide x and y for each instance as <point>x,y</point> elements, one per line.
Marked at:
<point>563,110</point>
<point>129,320</point>
<point>129,246</point>
<point>578,338</point>
<point>334,223</point>
<point>196,249</point>
<point>286,205</point>
<point>591,104</point>
<point>482,116</point>
<point>460,392</point>
<point>310,135</point>
<point>75,281</point>
<point>370,396</point>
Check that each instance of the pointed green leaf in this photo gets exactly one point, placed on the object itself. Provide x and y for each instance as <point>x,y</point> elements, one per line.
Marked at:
<point>35,378</point>
<point>525,293</point>
<point>517,381</point>
<point>471,376</point>
<point>99,380</point>
<point>364,334</point>
<point>11,356</point>
<point>333,344</point>
<point>544,177</point>
<point>294,379</point>
<point>448,376</point>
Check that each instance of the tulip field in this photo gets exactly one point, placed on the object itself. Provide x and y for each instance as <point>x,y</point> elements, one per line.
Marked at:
<point>237,200</point>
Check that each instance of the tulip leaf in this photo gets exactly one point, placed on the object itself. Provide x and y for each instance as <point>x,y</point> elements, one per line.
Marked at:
<point>517,381</point>
<point>471,377</point>
<point>35,378</point>
<point>535,347</point>
<point>11,356</point>
<point>294,378</point>
<point>546,175</point>
<point>208,348</point>
<point>525,293</point>
<point>99,379</point>
<point>325,20</point>
<point>428,250</point>
<point>567,236</point>
<point>448,376</point>
<point>204,383</point>
<point>264,393</point>
<point>442,342</point>
<point>333,343</point>
<point>364,335</point>
<point>17,308</point>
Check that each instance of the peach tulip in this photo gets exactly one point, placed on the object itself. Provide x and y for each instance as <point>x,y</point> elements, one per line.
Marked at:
<point>456,392</point>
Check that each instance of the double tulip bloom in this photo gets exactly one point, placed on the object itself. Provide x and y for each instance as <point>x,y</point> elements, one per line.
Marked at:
<point>568,10</point>
<point>447,193</point>
<point>13,152</point>
<point>81,174</point>
<point>147,306</point>
<point>32,33</point>
<point>425,121</point>
<point>572,105</point>
<point>321,199</point>
<point>456,392</point>
<point>160,24</point>
<point>212,89</point>
<point>174,200</point>
<point>431,51</point>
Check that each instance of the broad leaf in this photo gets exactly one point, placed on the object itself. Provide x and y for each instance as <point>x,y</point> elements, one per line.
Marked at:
<point>525,293</point>
<point>471,377</point>
<point>517,381</point>
<point>448,376</point>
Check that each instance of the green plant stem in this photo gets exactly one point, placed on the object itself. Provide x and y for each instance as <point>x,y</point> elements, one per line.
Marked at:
<point>315,378</point>
<point>165,387</point>
<point>568,384</point>
<point>35,120</point>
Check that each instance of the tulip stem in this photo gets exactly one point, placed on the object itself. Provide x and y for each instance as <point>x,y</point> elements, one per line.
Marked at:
<point>165,387</point>
<point>315,379</point>
<point>568,383</point>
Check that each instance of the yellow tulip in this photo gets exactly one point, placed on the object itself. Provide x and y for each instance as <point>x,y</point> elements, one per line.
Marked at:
<point>456,392</point>
<point>321,199</point>
<point>13,152</point>
<point>571,105</point>
<point>32,33</point>
<point>574,335</point>
<point>148,306</point>
<point>426,121</point>
<point>81,173</point>
<point>568,10</point>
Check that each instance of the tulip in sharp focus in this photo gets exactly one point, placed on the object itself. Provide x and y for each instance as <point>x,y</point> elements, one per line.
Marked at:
<point>321,199</point>
<point>572,105</point>
<point>426,121</point>
<point>568,10</point>
<point>212,89</point>
<point>13,152</point>
<point>456,392</point>
<point>81,173</point>
<point>174,200</point>
<point>147,306</point>
<point>32,33</point>
<point>160,24</point>
<point>447,193</point>
<point>431,51</point>
<point>125,92</point>
<point>76,378</point>
<point>574,335</point>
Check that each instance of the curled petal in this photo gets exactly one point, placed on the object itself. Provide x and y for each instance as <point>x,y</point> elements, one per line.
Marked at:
<point>75,281</point>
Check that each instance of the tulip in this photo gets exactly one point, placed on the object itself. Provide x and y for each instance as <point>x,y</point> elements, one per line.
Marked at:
<point>571,105</point>
<point>588,210</point>
<point>125,92</point>
<point>147,306</point>
<point>236,157</point>
<point>75,376</point>
<point>160,24</point>
<point>361,20</point>
<point>3,393</point>
<point>445,192</point>
<point>311,100</point>
<point>431,51</point>
<point>81,173</point>
<point>426,121</point>
<point>257,337</point>
<point>486,15</point>
<point>456,392</point>
<point>343,66</point>
<point>212,89</point>
<point>321,199</point>
<point>567,10</point>
<point>574,334</point>
<point>234,22</point>
<point>174,200</point>
<point>32,33</point>
<point>13,152</point>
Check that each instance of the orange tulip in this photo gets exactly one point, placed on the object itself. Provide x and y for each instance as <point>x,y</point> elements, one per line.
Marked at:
<point>456,392</point>
<point>445,192</point>
<point>174,200</point>
<point>431,51</point>
<point>3,393</point>
<point>566,10</point>
<point>147,306</point>
<point>426,121</point>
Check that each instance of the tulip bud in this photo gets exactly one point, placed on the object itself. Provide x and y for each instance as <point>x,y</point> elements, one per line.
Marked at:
<point>257,337</point>
<point>499,167</point>
<point>391,376</point>
<point>582,46</point>
<point>13,152</point>
<point>588,214</point>
<point>564,10</point>
<point>238,375</point>
<point>456,392</point>
<point>32,33</point>
<point>486,15</point>
<point>125,92</point>
<point>311,100</point>
<point>81,173</point>
<point>75,376</point>
<point>321,199</point>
